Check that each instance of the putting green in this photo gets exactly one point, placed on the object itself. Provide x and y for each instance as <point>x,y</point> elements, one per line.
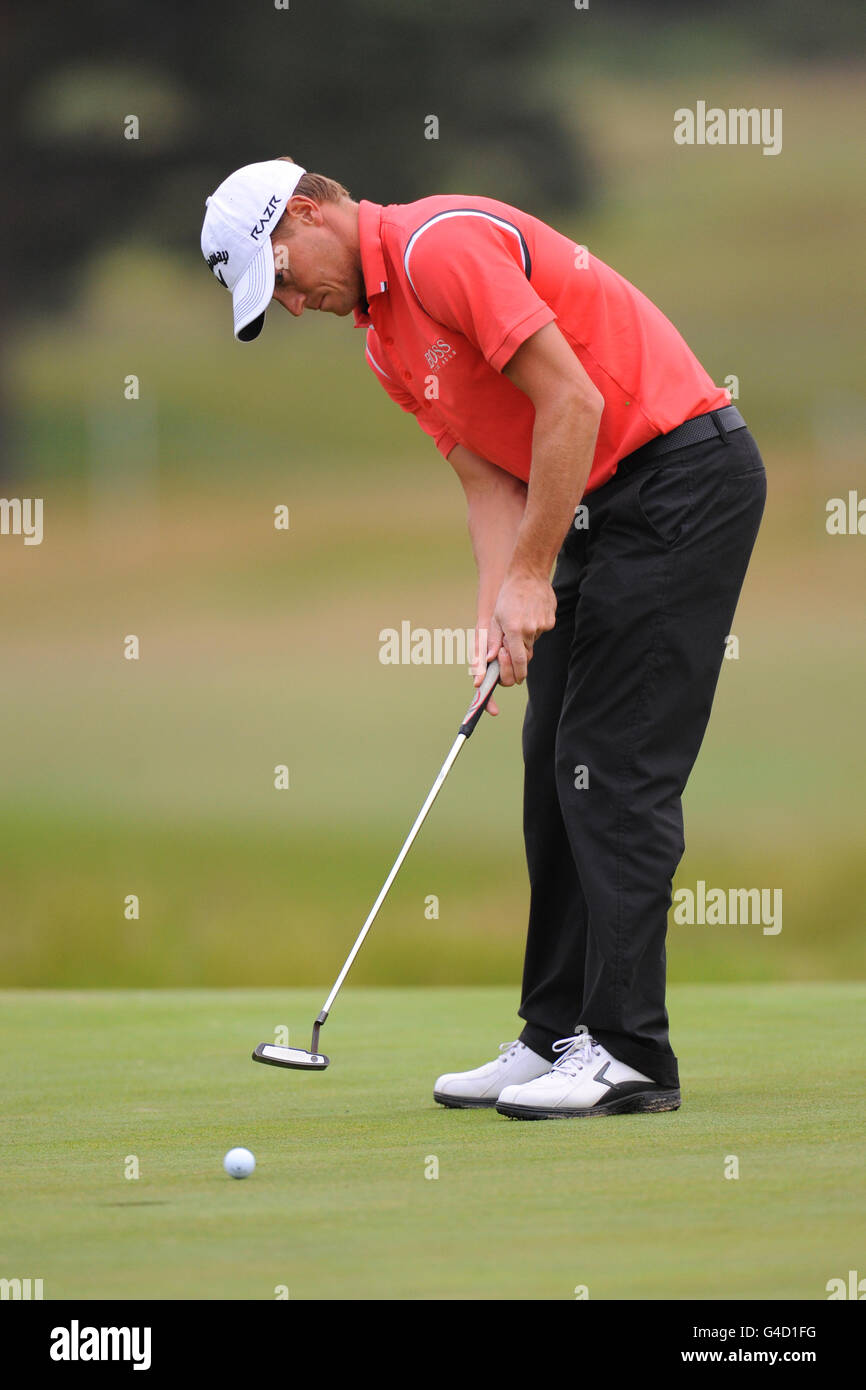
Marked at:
<point>340,1205</point>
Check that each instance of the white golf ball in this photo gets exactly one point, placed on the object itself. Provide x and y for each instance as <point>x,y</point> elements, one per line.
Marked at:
<point>239,1163</point>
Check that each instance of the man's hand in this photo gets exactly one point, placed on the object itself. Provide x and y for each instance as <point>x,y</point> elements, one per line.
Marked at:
<point>525,607</point>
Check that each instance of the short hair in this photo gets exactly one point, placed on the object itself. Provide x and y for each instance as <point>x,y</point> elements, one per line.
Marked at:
<point>317,186</point>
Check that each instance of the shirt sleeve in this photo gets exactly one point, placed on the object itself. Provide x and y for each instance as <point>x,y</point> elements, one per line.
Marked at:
<point>470,271</point>
<point>428,418</point>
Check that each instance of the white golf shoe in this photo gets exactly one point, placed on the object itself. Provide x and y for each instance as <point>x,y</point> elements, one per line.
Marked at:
<point>586,1080</point>
<point>470,1090</point>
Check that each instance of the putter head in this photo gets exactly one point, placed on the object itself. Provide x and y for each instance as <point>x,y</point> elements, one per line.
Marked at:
<point>276,1056</point>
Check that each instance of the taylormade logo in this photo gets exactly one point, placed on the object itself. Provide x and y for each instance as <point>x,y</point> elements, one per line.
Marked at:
<point>76,1343</point>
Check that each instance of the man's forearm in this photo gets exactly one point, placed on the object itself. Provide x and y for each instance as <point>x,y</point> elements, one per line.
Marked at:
<point>563,444</point>
<point>495,517</point>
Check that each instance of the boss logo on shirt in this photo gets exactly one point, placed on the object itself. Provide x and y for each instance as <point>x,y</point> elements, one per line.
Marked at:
<point>438,354</point>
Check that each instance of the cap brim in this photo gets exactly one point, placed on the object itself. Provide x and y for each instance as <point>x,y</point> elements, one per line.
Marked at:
<point>253,293</point>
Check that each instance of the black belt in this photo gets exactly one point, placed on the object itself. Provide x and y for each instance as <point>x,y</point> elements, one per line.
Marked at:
<point>716,422</point>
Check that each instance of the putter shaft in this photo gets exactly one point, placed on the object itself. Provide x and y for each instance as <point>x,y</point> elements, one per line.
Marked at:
<point>473,714</point>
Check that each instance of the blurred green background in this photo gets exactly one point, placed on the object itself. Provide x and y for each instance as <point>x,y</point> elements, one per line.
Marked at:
<point>261,647</point>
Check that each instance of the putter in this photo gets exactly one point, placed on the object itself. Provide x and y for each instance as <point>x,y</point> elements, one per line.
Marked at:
<point>314,1060</point>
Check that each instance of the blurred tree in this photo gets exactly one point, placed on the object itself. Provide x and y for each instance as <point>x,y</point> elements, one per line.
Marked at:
<point>344,86</point>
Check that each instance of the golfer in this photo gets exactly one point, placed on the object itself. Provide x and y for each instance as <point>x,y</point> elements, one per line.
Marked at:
<point>587,436</point>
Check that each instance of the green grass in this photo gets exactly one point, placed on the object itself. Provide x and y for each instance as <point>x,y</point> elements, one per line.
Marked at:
<point>635,1207</point>
<point>155,777</point>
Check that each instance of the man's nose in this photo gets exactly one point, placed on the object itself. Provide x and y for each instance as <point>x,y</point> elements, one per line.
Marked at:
<point>293,300</point>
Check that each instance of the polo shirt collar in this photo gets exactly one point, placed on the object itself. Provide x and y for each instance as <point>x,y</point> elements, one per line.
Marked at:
<point>372,259</point>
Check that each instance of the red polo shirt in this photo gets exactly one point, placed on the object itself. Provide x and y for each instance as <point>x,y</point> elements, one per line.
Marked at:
<point>455,284</point>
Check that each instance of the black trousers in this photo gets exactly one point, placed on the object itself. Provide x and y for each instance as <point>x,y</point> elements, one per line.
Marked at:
<point>620,692</point>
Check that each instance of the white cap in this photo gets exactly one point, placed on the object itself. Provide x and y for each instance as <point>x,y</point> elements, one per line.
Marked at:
<point>236,236</point>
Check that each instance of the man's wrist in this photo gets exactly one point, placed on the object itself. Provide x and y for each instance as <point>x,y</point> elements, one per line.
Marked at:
<point>528,567</point>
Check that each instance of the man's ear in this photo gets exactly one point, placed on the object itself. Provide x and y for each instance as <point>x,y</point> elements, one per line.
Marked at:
<point>304,210</point>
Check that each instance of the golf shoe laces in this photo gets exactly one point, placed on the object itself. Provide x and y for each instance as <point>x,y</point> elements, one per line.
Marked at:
<point>578,1051</point>
<point>510,1049</point>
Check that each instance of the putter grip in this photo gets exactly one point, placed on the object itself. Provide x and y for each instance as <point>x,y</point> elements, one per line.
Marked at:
<point>482,695</point>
